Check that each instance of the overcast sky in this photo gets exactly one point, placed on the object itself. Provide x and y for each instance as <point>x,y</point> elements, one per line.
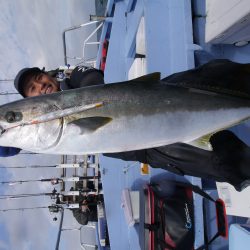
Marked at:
<point>31,35</point>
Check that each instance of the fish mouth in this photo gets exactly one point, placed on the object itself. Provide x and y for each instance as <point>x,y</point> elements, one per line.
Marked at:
<point>2,130</point>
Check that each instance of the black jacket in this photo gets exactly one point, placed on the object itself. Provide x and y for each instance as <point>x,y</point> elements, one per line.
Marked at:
<point>89,215</point>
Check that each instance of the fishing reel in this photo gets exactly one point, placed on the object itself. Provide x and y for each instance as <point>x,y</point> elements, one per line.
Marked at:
<point>54,208</point>
<point>54,195</point>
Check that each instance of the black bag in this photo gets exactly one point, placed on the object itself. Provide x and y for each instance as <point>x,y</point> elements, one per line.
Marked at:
<point>169,216</point>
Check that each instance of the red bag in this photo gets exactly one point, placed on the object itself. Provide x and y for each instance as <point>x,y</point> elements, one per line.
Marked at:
<point>169,216</point>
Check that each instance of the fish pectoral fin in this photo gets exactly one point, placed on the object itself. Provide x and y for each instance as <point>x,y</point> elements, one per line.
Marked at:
<point>156,76</point>
<point>202,142</point>
<point>91,124</point>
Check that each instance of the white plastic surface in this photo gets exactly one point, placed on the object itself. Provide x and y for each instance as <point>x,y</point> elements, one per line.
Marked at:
<point>135,203</point>
<point>140,38</point>
<point>126,205</point>
<point>137,69</point>
<point>237,203</point>
<point>227,21</point>
<point>130,205</point>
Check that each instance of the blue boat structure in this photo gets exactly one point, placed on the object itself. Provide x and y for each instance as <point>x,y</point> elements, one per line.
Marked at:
<point>143,36</point>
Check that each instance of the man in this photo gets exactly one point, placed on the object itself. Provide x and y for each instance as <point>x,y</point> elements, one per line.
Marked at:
<point>219,76</point>
<point>87,210</point>
<point>31,82</point>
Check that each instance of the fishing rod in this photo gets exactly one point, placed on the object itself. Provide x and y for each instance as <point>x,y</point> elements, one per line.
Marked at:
<point>53,181</point>
<point>18,182</point>
<point>9,93</point>
<point>75,165</point>
<point>22,209</point>
<point>6,80</point>
<point>59,230</point>
<point>31,166</point>
<point>54,194</point>
<point>54,208</point>
<point>28,153</point>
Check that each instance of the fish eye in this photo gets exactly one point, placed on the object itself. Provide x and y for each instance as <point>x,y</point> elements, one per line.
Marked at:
<point>13,116</point>
<point>10,116</point>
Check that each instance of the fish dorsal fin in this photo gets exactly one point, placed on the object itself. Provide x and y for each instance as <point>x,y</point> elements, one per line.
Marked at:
<point>156,76</point>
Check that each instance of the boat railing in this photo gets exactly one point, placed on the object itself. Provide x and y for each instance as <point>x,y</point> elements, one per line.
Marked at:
<point>84,168</point>
<point>94,21</point>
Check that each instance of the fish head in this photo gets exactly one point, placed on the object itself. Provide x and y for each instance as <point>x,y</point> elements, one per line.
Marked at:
<point>18,126</point>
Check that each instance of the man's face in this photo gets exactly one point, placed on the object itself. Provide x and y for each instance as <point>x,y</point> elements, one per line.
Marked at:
<point>39,84</point>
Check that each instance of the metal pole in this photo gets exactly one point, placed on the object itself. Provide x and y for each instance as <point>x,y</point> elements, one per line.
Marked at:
<point>60,230</point>
<point>9,93</point>
<point>77,165</point>
<point>21,209</point>
<point>6,80</point>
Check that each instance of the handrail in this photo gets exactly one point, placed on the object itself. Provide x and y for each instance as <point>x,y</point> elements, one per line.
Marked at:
<point>91,43</point>
<point>77,27</point>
